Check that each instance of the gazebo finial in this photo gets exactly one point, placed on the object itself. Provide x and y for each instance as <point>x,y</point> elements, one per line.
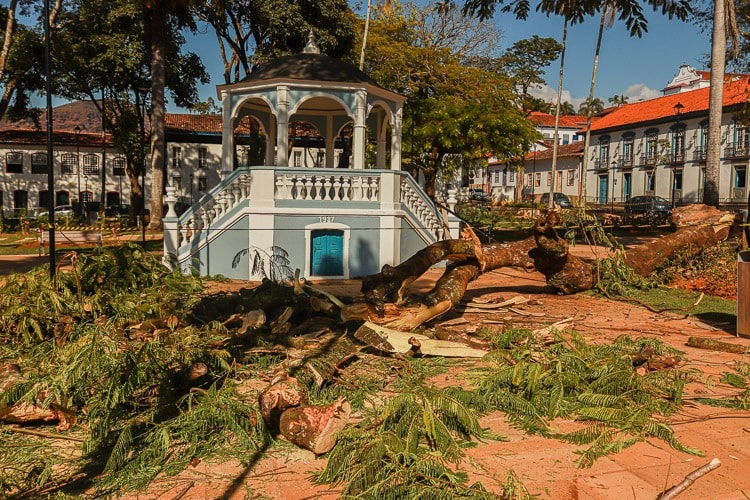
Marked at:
<point>311,47</point>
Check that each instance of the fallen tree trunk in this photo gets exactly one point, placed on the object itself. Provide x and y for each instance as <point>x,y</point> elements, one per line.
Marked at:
<point>384,292</point>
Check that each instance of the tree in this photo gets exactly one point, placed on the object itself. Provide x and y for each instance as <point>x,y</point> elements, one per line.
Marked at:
<point>101,49</point>
<point>21,60</point>
<point>459,110</point>
<point>592,107</point>
<point>618,100</point>
<point>566,108</point>
<point>636,23</point>
<point>250,32</point>
<point>574,11</point>
<point>724,26</point>
<point>525,61</point>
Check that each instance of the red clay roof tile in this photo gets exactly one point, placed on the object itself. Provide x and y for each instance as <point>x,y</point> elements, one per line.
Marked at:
<point>694,101</point>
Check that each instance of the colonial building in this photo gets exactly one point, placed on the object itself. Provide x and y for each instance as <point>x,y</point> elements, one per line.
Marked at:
<point>658,147</point>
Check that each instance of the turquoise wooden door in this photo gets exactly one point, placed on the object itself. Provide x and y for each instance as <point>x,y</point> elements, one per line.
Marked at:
<point>603,188</point>
<point>327,257</point>
<point>627,185</point>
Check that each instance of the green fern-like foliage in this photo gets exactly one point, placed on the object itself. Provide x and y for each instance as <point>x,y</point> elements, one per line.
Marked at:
<point>137,415</point>
<point>594,384</point>
<point>407,453</point>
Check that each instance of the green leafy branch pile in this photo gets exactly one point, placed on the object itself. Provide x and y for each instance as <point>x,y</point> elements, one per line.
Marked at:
<point>589,383</point>
<point>95,343</point>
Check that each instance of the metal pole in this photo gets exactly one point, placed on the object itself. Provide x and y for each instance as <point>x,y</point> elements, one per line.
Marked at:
<point>78,163</point>
<point>50,164</point>
<point>104,155</point>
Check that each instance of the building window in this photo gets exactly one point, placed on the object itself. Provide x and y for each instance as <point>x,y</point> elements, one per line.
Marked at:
<point>538,179</point>
<point>570,177</point>
<point>651,181</point>
<point>298,158</point>
<point>202,157</point>
<point>321,159</point>
<point>528,179</point>
<point>202,186</point>
<point>497,177</point>
<point>652,146</point>
<point>118,166</point>
<point>21,199</point>
<point>14,163</point>
<point>68,165</point>
<point>176,157</point>
<point>549,178</point>
<point>90,165</point>
<point>627,151</point>
<point>566,139</point>
<point>678,144</point>
<point>603,153</point>
<point>740,177</point>
<point>511,177</point>
<point>39,163</point>
<point>177,182</point>
<point>87,196</point>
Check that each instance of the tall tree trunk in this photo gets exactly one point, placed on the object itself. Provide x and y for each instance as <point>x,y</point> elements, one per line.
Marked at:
<point>715,105</point>
<point>557,116</point>
<point>9,29</point>
<point>154,25</point>
<point>587,137</point>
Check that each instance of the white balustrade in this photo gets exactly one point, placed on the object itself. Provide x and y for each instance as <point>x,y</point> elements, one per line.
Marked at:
<point>327,187</point>
<point>423,210</point>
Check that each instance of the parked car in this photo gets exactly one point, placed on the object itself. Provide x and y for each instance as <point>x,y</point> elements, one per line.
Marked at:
<point>478,194</point>
<point>63,210</point>
<point>647,205</point>
<point>561,200</point>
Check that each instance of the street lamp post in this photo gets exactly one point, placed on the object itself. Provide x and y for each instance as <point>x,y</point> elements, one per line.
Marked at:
<point>678,147</point>
<point>86,197</point>
<point>191,190</point>
<point>78,162</point>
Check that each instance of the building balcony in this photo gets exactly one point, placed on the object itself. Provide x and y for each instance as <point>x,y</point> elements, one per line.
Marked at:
<point>677,158</point>
<point>625,163</point>
<point>649,160</point>
<point>700,154</point>
<point>737,152</point>
<point>601,163</point>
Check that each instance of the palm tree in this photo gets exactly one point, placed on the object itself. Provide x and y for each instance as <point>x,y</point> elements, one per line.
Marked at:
<point>591,106</point>
<point>566,108</point>
<point>618,100</point>
<point>724,26</point>
<point>574,11</point>
<point>634,19</point>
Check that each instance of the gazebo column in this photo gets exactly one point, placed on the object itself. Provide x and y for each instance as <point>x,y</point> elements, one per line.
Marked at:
<point>381,127</point>
<point>358,134</point>
<point>227,134</point>
<point>396,139</point>
<point>271,141</point>
<point>282,126</point>
<point>330,143</point>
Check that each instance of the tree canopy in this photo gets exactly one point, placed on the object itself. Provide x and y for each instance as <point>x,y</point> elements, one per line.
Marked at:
<point>459,111</point>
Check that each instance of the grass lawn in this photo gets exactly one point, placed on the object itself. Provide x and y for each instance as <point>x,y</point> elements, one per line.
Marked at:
<point>712,310</point>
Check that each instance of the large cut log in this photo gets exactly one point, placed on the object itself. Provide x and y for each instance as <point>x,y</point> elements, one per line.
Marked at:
<point>315,427</point>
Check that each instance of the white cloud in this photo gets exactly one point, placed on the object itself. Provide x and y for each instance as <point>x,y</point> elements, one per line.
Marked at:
<point>550,95</point>
<point>634,93</point>
<point>640,92</point>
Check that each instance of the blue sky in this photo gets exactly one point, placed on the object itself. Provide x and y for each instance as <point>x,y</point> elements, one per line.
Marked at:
<point>636,67</point>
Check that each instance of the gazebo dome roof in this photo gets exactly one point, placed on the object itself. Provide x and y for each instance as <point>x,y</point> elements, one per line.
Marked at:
<point>314,67</point>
